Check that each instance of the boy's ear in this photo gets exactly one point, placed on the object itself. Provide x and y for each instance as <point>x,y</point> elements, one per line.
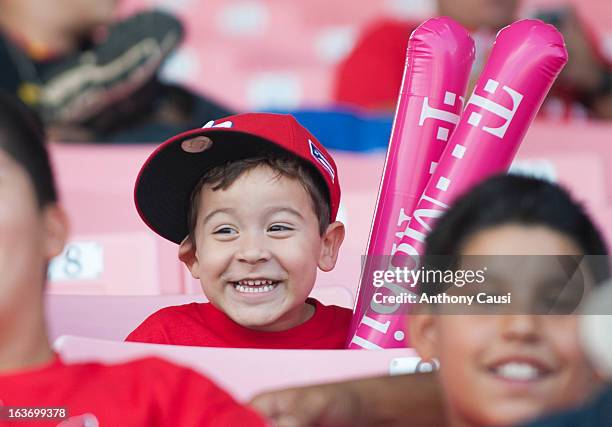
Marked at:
<point>56,230</point>
<point>423,334</point>
<point>187,254</point>
<point>332,239</point>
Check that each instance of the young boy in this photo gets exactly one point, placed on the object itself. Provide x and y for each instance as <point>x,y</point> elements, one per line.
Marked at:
<point>251,200</point>
<point>505,362</point>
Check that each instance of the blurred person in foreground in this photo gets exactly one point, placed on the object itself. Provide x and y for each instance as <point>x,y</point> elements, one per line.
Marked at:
<point>512,352</point>
<point>92,78</point>
<point>500,369</point>
<point>371,75</point>
<point>33,228</point>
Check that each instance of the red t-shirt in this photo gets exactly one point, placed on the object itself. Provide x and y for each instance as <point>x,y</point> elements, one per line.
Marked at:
<point>371,75</point>
<point>204,325</point>
<point>145,393</point>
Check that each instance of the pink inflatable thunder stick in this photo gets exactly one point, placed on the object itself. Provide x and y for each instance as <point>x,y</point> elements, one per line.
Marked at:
<point>526,59</point>
<point>438,62</point>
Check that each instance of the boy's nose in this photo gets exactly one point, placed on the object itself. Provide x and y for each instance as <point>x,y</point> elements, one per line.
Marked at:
<point>252,251</point>
<point>520,327</point>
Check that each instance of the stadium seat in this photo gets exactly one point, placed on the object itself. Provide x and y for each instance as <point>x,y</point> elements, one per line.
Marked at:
<point>111,264</point>
<point>110,317</point>
<point>233,368</point>
<point>545,140</point>
<point>118,252</point>
<point>283,54</point>
<point>113,317</point>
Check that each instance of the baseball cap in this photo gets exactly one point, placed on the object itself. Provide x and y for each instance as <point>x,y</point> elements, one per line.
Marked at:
<point>168,177</point>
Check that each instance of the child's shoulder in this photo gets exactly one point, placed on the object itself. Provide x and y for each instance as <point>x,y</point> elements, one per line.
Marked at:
<point>334,316</point>
<point>336,310</point>
<point>161,326</point>
<point>190,309</point>
<point>177,313</point>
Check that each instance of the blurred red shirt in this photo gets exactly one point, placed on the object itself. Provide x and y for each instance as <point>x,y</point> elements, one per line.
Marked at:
<point>148,392</point>
<point>371,75</point>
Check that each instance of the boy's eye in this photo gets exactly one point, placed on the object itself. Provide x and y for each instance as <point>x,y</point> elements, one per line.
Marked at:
<point>279,227</point>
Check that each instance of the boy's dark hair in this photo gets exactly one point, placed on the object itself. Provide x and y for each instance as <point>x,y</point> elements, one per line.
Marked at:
<point>223,176</point>
<point>512,199</point>
<point>22,136</point>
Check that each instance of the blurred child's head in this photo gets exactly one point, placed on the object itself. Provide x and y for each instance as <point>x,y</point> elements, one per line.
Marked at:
<point>501,368</point>
<point>259,218</point>
<point>32,227</point>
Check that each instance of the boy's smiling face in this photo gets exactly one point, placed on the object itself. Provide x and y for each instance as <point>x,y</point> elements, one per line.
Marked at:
<point>502,370</point>
<point>257,249</point>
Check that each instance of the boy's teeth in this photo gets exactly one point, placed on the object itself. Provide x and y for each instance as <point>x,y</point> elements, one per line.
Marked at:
<point>258,282</point>
<point>255,286</point>
<point>518,371</point>
<point>248,289</point>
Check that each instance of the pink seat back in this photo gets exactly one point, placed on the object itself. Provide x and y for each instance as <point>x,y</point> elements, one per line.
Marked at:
<point>113,317</point>
<point>109,317</point>
<point>245,372</point>
<point>96,185</point>
<point>285,54</point>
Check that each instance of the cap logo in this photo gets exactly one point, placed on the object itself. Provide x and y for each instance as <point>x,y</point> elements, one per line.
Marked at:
<point>211,124</point>
<point>319,157</point>
<point>197,144</point>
